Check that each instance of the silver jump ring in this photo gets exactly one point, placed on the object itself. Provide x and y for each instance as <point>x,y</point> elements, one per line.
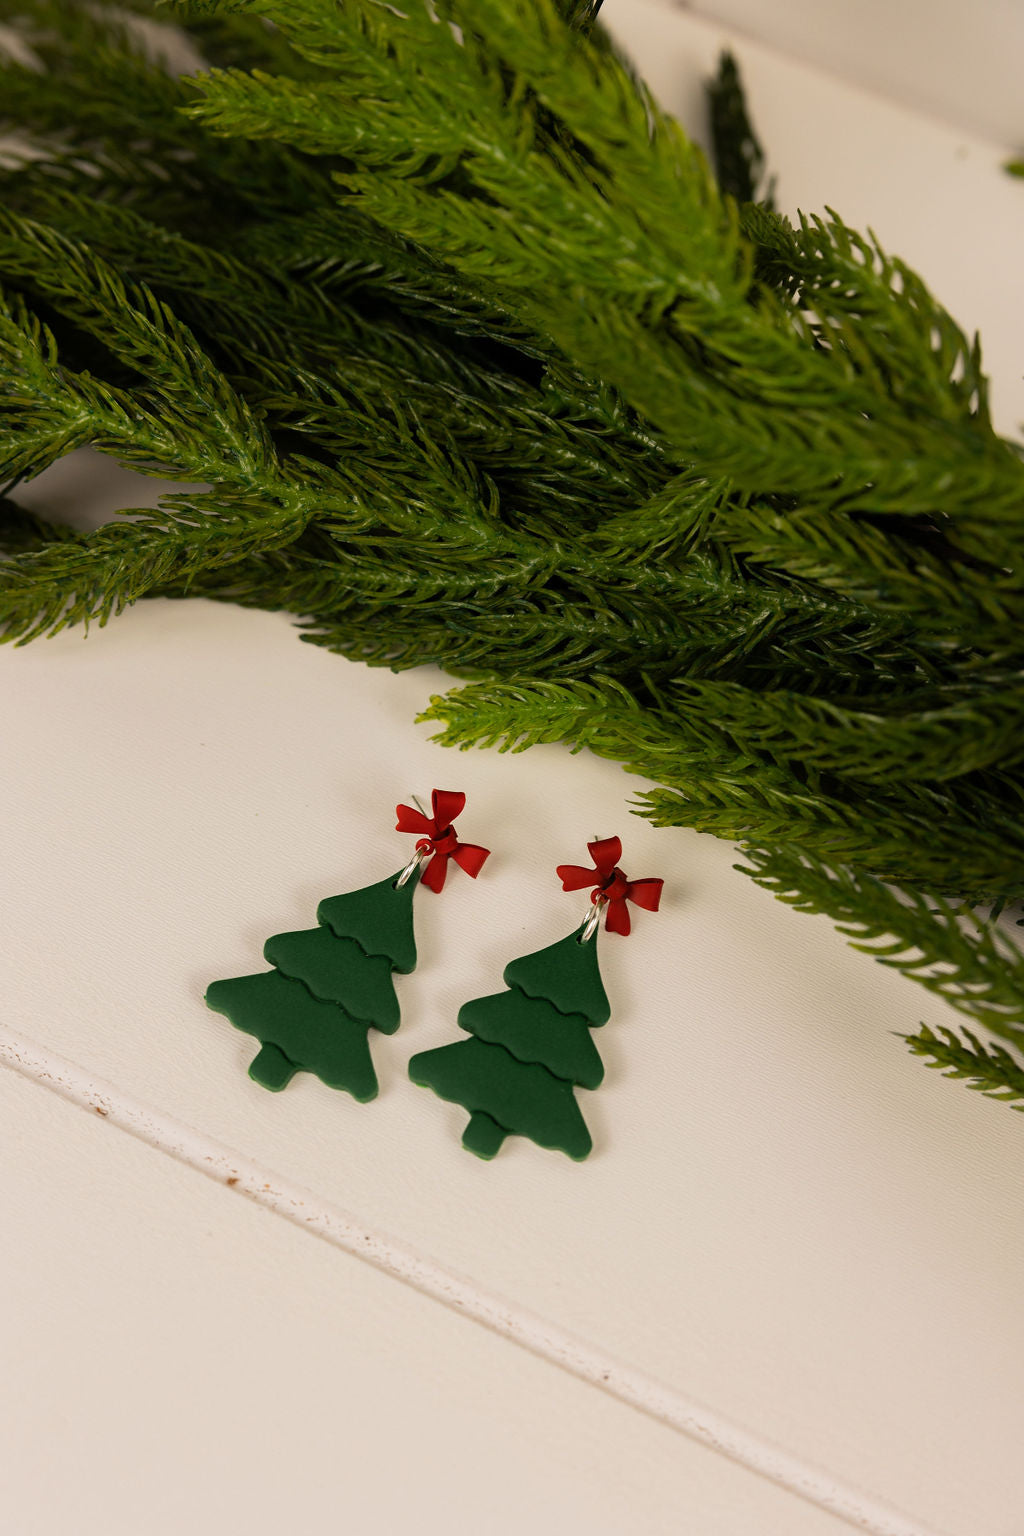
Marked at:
<point>593,919</point>
<point>413,864</point>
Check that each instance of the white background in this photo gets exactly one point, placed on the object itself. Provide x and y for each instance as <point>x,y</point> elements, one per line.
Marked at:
<point>954,61</point>
<point>783,1293</point>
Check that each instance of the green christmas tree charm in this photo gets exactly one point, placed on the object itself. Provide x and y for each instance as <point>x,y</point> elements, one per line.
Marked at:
<point>531,1045</point>
<point>332,984</point>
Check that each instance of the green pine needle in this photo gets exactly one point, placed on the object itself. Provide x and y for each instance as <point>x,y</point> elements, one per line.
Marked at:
<point>968,961</point>
<point>739,158</point>
<point>987,1069</point>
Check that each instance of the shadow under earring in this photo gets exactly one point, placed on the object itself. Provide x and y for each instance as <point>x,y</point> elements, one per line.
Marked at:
<point>331,984</point>
<point>531,1045</point>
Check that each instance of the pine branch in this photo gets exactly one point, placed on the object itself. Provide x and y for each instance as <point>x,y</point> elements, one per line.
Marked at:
<point>545,458</point>
<point>144,335</point>
<point>738,156</point>
<point>799,402</point>
<point>22,530</point>
<point>248,316</point>
<point>972,964</point>
<point>95,85</point>
<point>47,409</point>
<point>191,424</point>
<point>910,834</point>
<point>236,305</point>
<point>236,41</point>
<point>987,1069</point>
<point>936,743</point>
<point>100,574</point>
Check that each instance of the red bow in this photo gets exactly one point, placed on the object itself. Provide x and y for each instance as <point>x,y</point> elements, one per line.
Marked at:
<point>439,837</point>
<point>612,884</point>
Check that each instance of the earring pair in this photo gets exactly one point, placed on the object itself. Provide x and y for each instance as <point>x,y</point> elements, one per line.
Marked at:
<point>529,1046</point>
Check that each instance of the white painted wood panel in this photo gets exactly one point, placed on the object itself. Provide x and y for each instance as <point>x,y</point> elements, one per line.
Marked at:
<point>954,61</point>
<point>176,1359</point>
<point>780,1205</point>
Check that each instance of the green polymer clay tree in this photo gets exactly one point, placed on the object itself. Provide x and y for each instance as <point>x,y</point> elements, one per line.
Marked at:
<point>330,985</point>
<point>529,1047</point>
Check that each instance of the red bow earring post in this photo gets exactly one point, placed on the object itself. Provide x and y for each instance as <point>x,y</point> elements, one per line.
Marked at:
<point>438,841</point>
<point>331,984</point>
<point>531,1045</point>
<point>612,890</point>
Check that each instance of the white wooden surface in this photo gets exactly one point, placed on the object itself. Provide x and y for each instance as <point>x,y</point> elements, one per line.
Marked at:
<point>794,1251</point>
<point>955,62</point>
<point>176,1359</point>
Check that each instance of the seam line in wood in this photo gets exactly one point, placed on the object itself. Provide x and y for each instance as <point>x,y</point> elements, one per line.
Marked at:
<point>521,1326</point>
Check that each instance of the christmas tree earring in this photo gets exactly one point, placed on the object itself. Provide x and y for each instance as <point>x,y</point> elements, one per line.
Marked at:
<point>331,984</point>
<point>531,1045</point>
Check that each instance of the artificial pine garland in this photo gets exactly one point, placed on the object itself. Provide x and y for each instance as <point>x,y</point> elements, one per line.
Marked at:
<point>482,367</point>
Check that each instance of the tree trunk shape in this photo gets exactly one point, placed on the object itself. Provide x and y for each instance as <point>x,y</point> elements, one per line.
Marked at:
<point>483,1135</point>
<point>272,1069</point>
